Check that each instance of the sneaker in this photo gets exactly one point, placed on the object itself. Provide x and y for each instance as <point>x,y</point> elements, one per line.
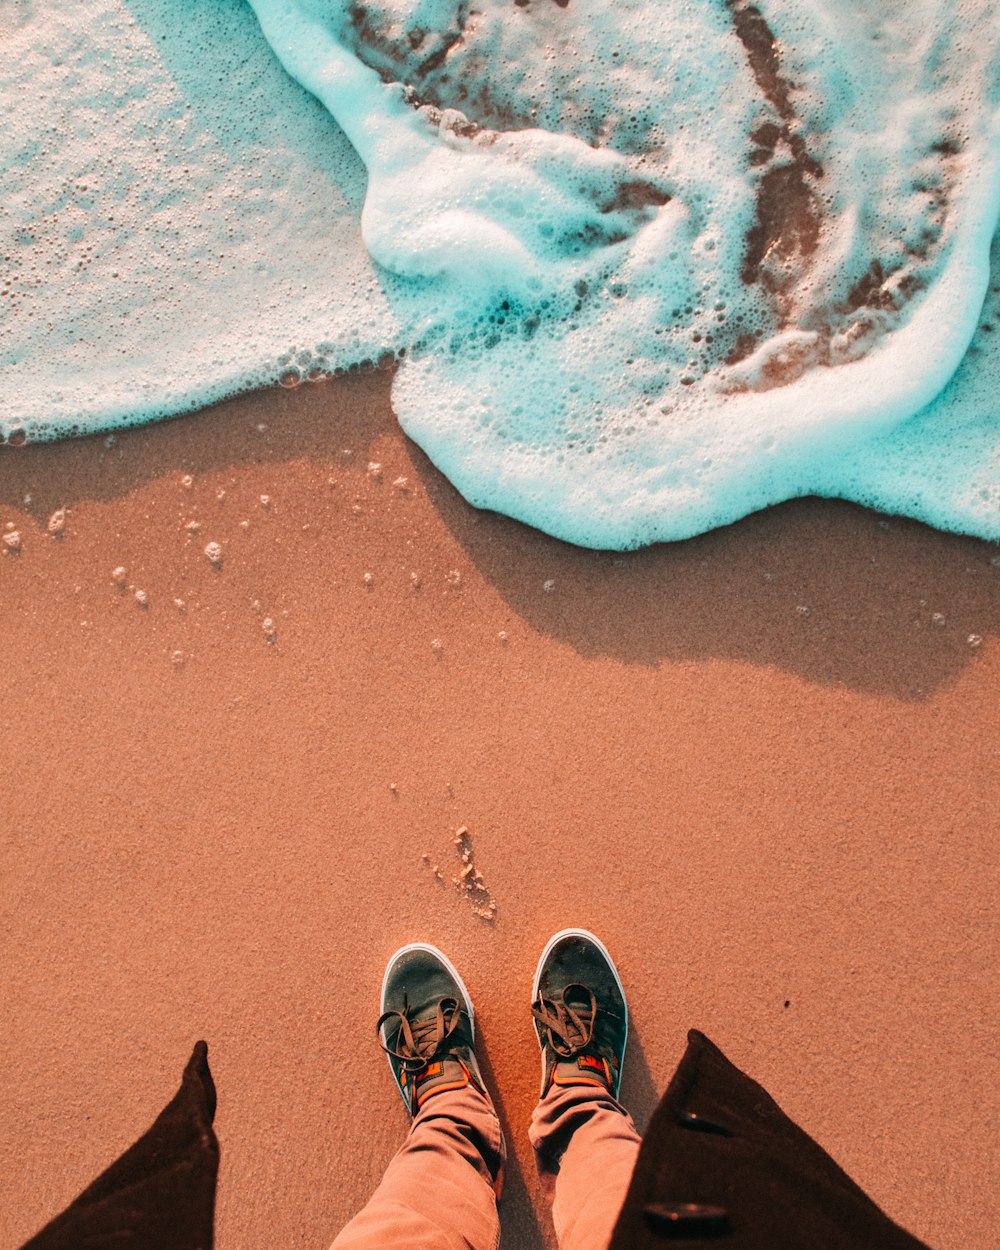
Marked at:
<point>427,1026</point>
<point>580,1013</point>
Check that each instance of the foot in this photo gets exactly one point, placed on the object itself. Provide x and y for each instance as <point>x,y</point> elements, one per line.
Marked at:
<point>580,1013</point>
<point>427,1026</point>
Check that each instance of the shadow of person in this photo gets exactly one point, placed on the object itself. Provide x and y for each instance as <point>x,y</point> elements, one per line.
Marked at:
<point>519,1222</point>
<point>638,1093</point>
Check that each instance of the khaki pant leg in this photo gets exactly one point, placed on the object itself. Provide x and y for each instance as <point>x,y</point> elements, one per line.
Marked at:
<point>437,1192</point>
<point>586,1146</point>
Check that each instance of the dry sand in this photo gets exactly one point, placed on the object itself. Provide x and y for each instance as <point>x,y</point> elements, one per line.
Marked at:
<point>752,762</point>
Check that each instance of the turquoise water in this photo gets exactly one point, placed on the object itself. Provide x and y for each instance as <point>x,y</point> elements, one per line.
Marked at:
<point>647,266</point>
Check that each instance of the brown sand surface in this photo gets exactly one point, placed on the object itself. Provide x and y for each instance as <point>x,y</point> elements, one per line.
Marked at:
<point>780,820</point>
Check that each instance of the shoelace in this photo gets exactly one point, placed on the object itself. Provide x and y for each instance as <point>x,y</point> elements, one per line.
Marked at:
<point>417,1044</point>
<point>568,1029</point>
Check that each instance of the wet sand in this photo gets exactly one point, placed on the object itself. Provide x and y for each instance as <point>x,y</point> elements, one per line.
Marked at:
<point>753,762</point>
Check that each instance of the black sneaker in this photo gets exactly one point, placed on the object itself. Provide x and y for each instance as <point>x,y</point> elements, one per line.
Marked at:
<point>580,1013</point>
<point>427,1026</point>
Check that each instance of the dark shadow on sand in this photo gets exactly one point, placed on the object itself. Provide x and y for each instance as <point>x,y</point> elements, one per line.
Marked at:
<point>638,1093</point>
<point>519,1224</point>
<point>822,588</point>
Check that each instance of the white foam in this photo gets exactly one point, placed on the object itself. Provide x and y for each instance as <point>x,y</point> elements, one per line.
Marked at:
<point>180,218</point>
<point>561,207</point>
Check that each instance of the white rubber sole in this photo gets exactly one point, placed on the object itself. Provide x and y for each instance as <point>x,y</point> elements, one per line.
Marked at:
<point>590,937</point>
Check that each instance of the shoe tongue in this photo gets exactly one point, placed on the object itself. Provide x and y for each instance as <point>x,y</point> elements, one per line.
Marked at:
<point>582,1069</point>
<point>445,1072</point>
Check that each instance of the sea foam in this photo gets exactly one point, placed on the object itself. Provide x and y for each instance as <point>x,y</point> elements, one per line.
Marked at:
<point>179,218</point>
<point>647,266</point>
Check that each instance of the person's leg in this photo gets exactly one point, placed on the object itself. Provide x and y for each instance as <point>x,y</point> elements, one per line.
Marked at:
<point>585,1141</point>
<point>440,1191</point>
<point>437,1192</point>
<point>586,1147</point>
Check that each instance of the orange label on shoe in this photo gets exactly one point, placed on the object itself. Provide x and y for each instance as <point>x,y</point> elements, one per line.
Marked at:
<point>436,1069</point>
<point>595,1064</point>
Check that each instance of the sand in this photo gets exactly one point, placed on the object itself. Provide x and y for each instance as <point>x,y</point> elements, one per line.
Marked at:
<point>753,762</point>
